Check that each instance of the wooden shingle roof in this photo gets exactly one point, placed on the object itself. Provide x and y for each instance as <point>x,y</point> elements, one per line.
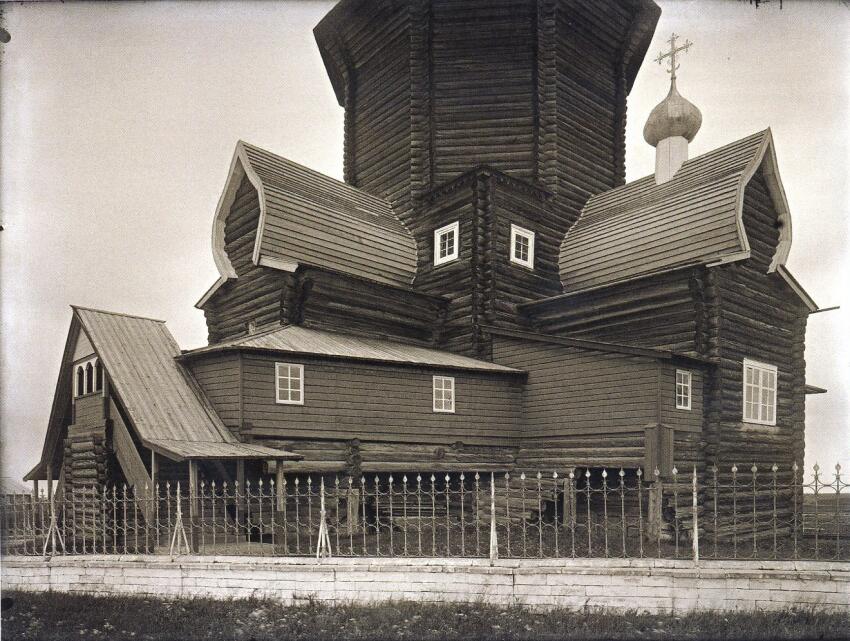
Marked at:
<point>694,218</point>
<point>312,219</point>
<point>296,339</point>
<point>165,405</point>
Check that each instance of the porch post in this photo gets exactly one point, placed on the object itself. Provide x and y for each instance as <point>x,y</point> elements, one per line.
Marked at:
<point>278,485</point>
<point>193,489</point>
<point>154,470</point>
<point>49,482</point>
<point>240,487</point>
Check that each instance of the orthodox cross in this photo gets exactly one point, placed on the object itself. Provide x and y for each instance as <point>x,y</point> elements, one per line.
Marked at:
<point>672,54</point>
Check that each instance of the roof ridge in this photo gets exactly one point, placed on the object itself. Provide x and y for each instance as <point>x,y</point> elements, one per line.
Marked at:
<point>105,311</point>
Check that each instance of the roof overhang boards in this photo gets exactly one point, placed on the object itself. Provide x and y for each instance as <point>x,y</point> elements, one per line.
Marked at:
<point>240,167</point>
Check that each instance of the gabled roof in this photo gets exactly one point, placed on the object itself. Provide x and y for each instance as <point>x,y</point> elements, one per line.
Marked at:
<point>694,218</point>
<point>166,407</point>
<point>307,217</point>
<point>295,339</point>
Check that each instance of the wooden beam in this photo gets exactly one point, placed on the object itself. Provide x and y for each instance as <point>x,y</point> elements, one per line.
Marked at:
<point>278,485</point>
<point>154,470</point>
<point>193,489</point>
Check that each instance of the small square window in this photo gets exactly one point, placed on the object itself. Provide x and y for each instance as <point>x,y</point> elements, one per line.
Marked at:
<point>683,389</point>
<point>444,394</point>
<point>289,383</point>
<point>759,393</point>
<point>522,246</point>
<point>446,243</point>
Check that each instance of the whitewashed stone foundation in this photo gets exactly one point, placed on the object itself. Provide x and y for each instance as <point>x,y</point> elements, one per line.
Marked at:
<point>652,585</point>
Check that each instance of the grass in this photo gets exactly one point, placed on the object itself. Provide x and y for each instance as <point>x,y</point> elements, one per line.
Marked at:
<point>57,616</point>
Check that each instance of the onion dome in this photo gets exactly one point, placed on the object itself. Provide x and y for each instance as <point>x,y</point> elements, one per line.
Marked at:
<point>673,116</point>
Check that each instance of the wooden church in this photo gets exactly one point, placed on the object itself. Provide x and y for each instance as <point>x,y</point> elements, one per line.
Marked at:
<point>482,292</point>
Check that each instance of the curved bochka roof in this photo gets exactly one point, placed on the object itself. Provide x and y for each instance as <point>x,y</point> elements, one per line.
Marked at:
<point>694,218</point>
<point>312,219</point>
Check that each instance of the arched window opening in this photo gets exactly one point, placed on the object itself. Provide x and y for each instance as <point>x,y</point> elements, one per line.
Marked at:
<point>89,379</point>
<point>81,381</point>
<point>98,376</point>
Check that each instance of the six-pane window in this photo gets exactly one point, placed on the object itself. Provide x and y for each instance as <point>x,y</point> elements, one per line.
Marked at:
<point>444,394</point>
<point>290,383</point>
<point>683,389</point>
<point>446,243</point>
<point>759,393</point>
<point>522,246</point>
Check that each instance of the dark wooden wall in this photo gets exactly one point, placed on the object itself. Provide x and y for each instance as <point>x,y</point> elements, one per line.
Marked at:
<point>220,376</point>
<point>591,408</point>
<point>371,402</point>
<point>665,311</point>
<point>377,119</point>
<point>483,90</point>
<point>761,318</point>
<point>329,300</point>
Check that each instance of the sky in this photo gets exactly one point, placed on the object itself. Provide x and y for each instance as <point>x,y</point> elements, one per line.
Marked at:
<point>118,122</point>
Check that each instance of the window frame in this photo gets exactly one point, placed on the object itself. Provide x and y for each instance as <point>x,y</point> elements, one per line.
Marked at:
<point>277,387</point>
<point>454,229</point>
<point>516,231</point>
<point>762,367</point>
<point>689,385</point>
<point>442,410</point>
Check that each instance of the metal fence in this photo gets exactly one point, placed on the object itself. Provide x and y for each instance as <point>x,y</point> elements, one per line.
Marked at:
<point>751,513</point>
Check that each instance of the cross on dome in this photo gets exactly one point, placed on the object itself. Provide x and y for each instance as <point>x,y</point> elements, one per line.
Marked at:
<point>672,54</point>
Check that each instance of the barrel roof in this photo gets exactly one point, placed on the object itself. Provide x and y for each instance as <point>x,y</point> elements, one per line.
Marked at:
<point>309,218</point>
<point>694,218</point>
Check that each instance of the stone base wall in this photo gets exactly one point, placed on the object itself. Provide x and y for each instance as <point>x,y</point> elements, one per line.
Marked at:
<point>652,585</point>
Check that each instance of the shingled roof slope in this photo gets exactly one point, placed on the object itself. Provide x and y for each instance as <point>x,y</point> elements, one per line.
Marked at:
<point>309,218</point>
<point>694,218</point>
<point>304,340</point>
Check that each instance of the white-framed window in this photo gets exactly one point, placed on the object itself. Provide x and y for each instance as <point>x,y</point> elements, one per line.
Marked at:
<point>444,394</point>
<point>289,383</point>
<point>446,243</point>
<point>759,392</point>
<point>683,389</point>
<point>522,246</point>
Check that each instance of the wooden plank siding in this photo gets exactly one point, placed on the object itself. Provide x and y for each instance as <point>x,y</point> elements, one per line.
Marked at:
<point>89,411</point>
<point>345,400</point>
<point>219,375</point>
<point>589,408</point>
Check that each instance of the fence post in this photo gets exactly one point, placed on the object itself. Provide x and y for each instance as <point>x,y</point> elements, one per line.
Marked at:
<point>323,544</point>
<point>494,544</point>
<point>696,520</point>
<point>53,532</point>
<point>179,536</point>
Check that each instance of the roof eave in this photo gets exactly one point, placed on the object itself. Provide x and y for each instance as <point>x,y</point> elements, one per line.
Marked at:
<point>786,275</point>
<point>203,351</point>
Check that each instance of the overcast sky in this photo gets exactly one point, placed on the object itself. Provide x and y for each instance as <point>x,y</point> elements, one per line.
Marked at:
<point>118,123</point>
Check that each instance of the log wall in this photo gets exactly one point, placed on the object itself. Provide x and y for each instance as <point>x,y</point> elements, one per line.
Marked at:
<point>665,311</point>
<point>761,318</point>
